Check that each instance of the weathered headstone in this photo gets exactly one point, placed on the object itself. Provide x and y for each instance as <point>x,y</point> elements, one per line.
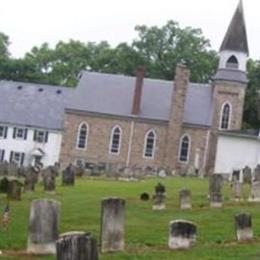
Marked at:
<point>247,175</point>
<point>243,224</point>
<point>159,201</point>
<point>162,173</point>
<point>12,169</point>
<point>215,185</point>
<point>185,199</point>
<point>182,234</point>
<point>43,226</point>
<point>255,192</point>
<point>216,200</point>
<point>112,225</point>
<point>237,190</point>
<point>160,188</point>
<point>49,183</point>
<point>191,170</point>
<point>76,246</point>
<point>144,196</point>
<point>68,176</point>
<point>257,173</point>
<point>14,189</point>
<point>30,179</point>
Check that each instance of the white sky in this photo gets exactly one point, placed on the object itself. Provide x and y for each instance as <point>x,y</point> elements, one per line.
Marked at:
<point>29,23</point>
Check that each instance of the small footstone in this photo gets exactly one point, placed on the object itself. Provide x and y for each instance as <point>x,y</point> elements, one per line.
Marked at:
<point>76,246</point>
<point>182,234</point>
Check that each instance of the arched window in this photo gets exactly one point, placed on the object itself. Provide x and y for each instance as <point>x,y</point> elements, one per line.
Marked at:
<point>184,149</point>
<point>149,144</point>
<point>82,136</point>
<point>232,62</point>
<point>225,116</point>
<point>115,140</point>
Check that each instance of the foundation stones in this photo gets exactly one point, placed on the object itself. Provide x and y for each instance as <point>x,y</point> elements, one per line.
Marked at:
<point>43,227</point>
<point>243,225</point>
<point>112,225</point>
<point>182,234</point>
<point>76,246</point>
<point>185,199</point>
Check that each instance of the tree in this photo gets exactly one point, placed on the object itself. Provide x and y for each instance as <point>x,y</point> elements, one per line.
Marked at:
<point>162,48</point>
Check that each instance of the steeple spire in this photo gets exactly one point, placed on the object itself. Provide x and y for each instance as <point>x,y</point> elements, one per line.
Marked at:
<point>236,37</point>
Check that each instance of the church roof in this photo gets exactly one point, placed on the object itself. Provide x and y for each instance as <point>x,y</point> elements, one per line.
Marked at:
<point>113,95</point>
<point>236,36</point>
<point>33,105</point>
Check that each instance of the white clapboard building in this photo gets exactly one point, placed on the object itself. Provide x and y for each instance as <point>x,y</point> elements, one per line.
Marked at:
<point>31,122</point>
<point>237,149</point>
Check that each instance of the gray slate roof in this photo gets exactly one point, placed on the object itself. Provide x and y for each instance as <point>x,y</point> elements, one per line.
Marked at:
<point>31,107</point>
<point>231,75</point>
<point>236,36</point>
<point>113,95</point>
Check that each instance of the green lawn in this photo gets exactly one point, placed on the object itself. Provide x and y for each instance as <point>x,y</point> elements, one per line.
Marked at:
<point>146,231</point>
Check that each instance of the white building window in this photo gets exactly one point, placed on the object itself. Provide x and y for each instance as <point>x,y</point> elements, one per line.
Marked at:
<point>225,116</point>
<point>115,140</point>
<point>3,131</point>
<point>149,144</point>
<point>17,158</point>
<point>82,136</point>
<point>184,148</point>
<point>2,155</point>
<point>40,136</point>
<point>20,133</point>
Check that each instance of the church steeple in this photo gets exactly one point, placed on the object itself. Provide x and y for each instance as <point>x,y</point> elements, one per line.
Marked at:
<point>236,37</point>
<point>234,50</point>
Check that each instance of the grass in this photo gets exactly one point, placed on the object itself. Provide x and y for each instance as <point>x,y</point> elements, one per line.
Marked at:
<point>146,230</point>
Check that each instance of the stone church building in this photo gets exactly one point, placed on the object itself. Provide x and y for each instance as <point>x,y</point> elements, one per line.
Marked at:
<point>137,121</point>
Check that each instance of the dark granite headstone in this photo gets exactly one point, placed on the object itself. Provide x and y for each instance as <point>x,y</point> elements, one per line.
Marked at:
<point>68,175</point>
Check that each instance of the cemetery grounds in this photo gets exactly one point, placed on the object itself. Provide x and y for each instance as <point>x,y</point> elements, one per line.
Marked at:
<point>146,231</point>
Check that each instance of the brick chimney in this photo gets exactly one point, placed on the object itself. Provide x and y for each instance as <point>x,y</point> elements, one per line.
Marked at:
<point>138,91</point>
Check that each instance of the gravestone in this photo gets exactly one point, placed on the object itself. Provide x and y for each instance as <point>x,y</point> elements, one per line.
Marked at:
<point>12,169</point>
<point>160,188</point>
<point>185,199</point>
<point>159,201</point>
<point>43,227</point>
<point>68,175</point>
<point>182,234</point>
<point>191,170</point>
<point>14,189</point>
<point>162,173</point>
<point>243,225</point>
<point>247,175</point>
<point>30,179</point>
<point>76,246</point>
<point>215,185</point>
<point>257,173</point>
<point>49,182</point>
<point>255,192</point>
<point>112,225</point>
<point>144,196</point>
<point>237,190</point>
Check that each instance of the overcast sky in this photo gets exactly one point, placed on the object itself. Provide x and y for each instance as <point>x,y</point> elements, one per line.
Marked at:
<point>29,23</point>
